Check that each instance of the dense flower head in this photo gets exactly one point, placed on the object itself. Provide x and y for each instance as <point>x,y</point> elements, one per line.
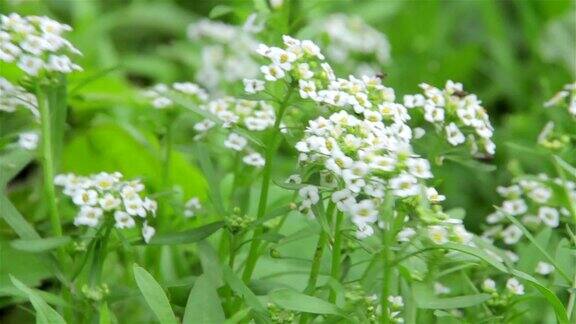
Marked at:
<point>13,97</point>
<point>456,113</point>
<point>159,99</point>
<point>36,45</point>
<point>351,38</point>
<point>533,202</point>
<point>107,195</point>
<point>564,97</point>
<point>225,54</point>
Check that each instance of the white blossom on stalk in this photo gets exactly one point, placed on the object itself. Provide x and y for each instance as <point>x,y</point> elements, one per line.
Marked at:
<point>191,207</point>
<point>438,234</point>
<point>489,285</point>
<point>254,159</point>
<point>107,195</point>
<point>36,44</point>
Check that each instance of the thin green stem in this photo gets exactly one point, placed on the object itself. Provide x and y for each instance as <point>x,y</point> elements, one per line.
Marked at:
<point>336,253</point>
<point>386,279</point>
<point>271,149</point>
<point>167,158</point>
<point>48,159</point>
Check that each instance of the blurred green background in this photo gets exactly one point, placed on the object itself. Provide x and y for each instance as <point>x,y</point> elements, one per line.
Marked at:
<point>513,54</point>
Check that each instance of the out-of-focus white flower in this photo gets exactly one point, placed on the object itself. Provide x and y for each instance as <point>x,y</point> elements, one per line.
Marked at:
<point>549,216</point>
<point>440,289</point>
<point>235,142</point>
<point>438,234</point>
<point>28,140</point>
<point>512,234</point>
<point>254,159</point>
<point>544,268</point>
<point>489,285</point>
<point>147,232</point>
<point>514,286</point>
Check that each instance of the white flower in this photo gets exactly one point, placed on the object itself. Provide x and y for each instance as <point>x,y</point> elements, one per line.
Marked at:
<point>150,205</point>
<point>512,234</point>
<point>88,216</point>
<point>405,234</point>
<point>540,194</point>
<point>438,234</point>
<point>404,185</point>
<point>311,49</point>
<point>440,289</point>
<point>514,286</point>
<point>235,142</point>
<point>254,159</point>
<point>489,285</point>
<point>30,65</point>
<point>123,220</point>
<point>343,198</point>
<point>272,72</point>
<point>85,197</point>
<point>396,301</point>
<point>514,207</point>
<point>544,268</point>
<point>419,168</point>
<point>192,206</point>
<point>363,212</point>
<point>363,231</point>
<point>147,232</point>
<point>512,256</point>
<point>461,234</point>
<point>109,202</point>
<point>433,195</point>
<point>549,216</point>
<point>495,217</point>
<point>307,89</point>
<point>135,207</point>
<point>455,136</point>
<point>309,195</point>
<point>28,140</point>
<point>253,86</point>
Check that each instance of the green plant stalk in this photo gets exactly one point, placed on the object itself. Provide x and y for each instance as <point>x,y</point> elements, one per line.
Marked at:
<point>271,149</point>
<point>167,158</point>
<point>315,269</point>
<point>386,278</point>
<point>47,150</point>
<point>336,253</point>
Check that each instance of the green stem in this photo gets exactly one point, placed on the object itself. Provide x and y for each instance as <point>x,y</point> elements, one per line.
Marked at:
<point>167,159</point>
<point>322,239</point>
<point>336,253</point>
<point>48,160</point>
<point>271,149</point>
<point>386,276</point>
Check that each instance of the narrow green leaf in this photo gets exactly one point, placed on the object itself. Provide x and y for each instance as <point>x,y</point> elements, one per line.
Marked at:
<point>296,301</point>
<point>15,220</point>
<point>40,245</point>
<point>44,313</point>
<point>219,11</point>
<point>154,296</point>
<point>566,166</point>
<point>188,236</point>
<point>452,302</point>
<point>238,317</point>
<point>203,304</point>
<point>104,314</point>
<point>238,286</point>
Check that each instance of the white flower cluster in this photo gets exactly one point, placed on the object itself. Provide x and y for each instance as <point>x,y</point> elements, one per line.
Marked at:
<point>350,38</point>
<point>532,202</point>
<point>13,97</point>
<point>158,98</point>
<point>226,52</point>
<point>36,45</point>
<point>107,195</point>
<point>250,114</point>
<point>396,307</point>
<point>456,113</point>
<point>566,96</point>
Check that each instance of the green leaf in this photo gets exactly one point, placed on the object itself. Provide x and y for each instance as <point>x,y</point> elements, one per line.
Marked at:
<point>44,313</point>
<point>40,245</point>
<point>104,314</point>
<point>452,302</point>
<point>11,163</point>
<point>238,286</point>
<point>296,301</point>
<point>16,221</point>
<point>188,236</point>
<point>219,11</point>
<point>154,296</point>
<point>210,262</point>
<point>203,304</point>
<point>238,317</point>
<point>566,166</point>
